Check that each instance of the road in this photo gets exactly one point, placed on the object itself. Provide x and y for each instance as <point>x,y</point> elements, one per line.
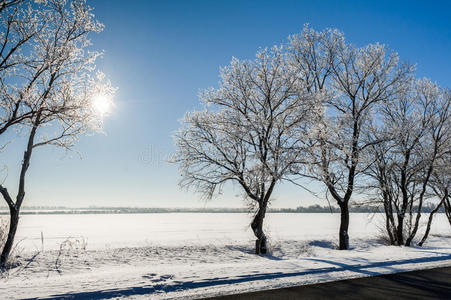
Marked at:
<point>424,284</point>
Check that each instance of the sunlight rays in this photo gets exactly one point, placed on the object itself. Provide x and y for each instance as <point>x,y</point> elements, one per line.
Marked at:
<point>102,104</point>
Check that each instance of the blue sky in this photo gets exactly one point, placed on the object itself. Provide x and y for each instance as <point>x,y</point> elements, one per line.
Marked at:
<point>160,53</point>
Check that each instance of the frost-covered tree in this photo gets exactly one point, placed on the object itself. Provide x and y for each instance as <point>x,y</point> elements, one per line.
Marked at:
<point>19,24</point>
<point>410,160</point>
<point>440,178</point>
<point>311,54</point>
<point>353,81</point>
<point>47,86</point>
<point>4,4</point>
<point>37,38</point>
<point>249,133</point>
<point>440,184</point>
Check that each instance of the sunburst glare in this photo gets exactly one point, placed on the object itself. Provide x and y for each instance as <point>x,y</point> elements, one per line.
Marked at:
<point>102,104</point>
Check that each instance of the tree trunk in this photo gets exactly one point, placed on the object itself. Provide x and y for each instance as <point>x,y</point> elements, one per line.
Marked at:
<point>14,221</point>
<point>448,209</point>
<point>389,221</point>
<point>390,229</point>
<point>14,208</point>
<point>401,213</point>
<point>344,225</point>
<point>431,216</point>
<point>257,228</point>
<point>400,230</point>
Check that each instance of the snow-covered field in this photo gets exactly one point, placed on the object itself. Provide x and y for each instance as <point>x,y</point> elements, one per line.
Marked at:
<point>200,254</point>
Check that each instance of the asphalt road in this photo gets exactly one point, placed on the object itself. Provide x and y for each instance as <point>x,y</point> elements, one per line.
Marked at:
<point>424,284</point>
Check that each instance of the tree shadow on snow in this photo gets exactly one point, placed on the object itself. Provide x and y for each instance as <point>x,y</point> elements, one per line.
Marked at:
<point>323,244</point>
<point>210,282</point>
<point>251,251</point>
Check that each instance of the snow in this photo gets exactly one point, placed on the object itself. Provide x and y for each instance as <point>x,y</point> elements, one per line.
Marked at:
<point>194,255</point>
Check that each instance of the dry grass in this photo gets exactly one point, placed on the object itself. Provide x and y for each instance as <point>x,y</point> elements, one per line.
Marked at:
<point>3,231</point>
<point>14,256</point>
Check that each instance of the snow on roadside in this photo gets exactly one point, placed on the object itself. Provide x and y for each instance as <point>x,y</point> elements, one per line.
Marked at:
<point>207,270</point>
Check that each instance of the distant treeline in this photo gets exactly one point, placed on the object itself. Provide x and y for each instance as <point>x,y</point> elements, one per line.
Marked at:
<point>140,210</point>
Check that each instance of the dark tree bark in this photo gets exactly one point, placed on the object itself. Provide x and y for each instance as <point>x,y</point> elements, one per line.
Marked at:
<point>5,4</point>
<point>405,200</point>
<point>400,230</point>
<point>448,209</point>
<point>431,216</point>
<point>261,244</point>
<point>421,200</point>
<point>343,203</point>
<point>379,172</point>
<point>257,227</point>
<point>13,222</point>
<point>14,208</point>
<point>344,225</point>
<point>389,220</point>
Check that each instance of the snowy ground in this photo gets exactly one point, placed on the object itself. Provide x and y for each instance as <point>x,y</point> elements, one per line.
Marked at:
<point>196,255</point>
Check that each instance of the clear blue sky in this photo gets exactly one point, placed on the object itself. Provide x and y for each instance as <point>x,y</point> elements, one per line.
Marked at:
<point>160,53</point>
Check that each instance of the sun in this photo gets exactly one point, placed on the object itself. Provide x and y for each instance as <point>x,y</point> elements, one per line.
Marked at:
<point>102,104</point>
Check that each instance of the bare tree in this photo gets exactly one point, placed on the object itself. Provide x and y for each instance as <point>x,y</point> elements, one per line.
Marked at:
<point>249,133</point>
<point>55,91</point>
<point>440,180</point>
<point>415,127</point>
<point>4,4</point>
<point>355,81</point>
<point>20,25</point>
<point>447,205</point>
